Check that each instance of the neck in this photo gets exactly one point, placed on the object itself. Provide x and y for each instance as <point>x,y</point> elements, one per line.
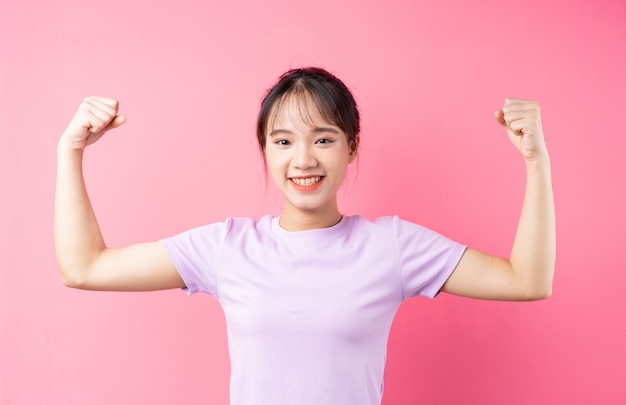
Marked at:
<point>297,220</point>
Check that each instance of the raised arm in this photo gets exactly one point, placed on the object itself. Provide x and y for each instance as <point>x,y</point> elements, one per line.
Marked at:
<point>84,260</point>
<point>528,273</point>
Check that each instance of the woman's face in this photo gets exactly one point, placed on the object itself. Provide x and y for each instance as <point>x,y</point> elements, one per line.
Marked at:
<point>307,157</point>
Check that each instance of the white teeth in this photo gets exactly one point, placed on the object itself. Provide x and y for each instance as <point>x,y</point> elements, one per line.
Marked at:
<point>309,181</point>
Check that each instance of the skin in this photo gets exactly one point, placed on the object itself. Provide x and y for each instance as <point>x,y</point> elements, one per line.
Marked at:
<point>84,260</point>
<point>529,271</point>
<point>296,149</point>
<point>300,149</point>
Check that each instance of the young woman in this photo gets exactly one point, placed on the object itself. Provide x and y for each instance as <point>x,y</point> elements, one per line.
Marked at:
<point>309,296</point>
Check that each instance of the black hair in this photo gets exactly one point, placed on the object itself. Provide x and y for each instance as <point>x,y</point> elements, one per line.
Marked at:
<point>331,96</point>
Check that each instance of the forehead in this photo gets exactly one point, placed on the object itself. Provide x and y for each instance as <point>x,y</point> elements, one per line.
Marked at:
<point>300,110</point>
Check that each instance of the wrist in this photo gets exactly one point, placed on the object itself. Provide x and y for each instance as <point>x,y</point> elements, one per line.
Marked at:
<point>538,164</point>
<point>65,146</point>
<point>67,150</point>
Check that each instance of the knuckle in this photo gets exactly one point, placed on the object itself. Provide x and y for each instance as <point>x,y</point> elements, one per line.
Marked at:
<point>97,127</point>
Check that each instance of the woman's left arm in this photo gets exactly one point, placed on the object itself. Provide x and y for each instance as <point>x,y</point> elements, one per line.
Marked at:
<point>529,271</point>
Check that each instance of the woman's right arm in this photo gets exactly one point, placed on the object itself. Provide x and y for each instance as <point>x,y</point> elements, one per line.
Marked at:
<point>83,257</point>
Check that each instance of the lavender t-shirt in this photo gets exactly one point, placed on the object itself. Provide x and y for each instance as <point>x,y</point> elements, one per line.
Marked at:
<point>308,313</point>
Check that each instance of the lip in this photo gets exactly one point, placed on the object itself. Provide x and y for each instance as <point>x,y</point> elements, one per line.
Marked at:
<point>307,176</point>
<point>310,188</point>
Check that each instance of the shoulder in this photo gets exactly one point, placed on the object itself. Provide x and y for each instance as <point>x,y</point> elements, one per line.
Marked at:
<point>244,230</point>
<point>243,224</point>
<point>220,230</point>
<point>403,232</point>
<point>362,221</point>
<point>383,229</point>
<point>393,223</point>
<point>239,223</point>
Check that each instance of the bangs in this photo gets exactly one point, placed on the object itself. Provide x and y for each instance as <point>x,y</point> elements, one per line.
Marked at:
<point>308,105</point>
<point>314,97</point>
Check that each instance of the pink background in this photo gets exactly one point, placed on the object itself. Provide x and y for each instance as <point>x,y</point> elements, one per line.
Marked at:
<point>428,76</point>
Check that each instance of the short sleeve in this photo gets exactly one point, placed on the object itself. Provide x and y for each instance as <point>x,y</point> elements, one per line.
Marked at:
<point>427,258</point>
<point>195,254</point>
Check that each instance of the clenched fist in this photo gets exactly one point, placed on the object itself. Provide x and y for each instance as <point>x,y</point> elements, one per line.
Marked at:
<point>94,117</point>
<point>522,121</point>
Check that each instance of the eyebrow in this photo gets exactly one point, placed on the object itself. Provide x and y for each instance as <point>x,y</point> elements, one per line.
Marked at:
<point>316,130</point>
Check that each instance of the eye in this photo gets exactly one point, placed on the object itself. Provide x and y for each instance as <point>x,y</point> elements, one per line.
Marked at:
<point>324,141</point>
<point>282,142</point>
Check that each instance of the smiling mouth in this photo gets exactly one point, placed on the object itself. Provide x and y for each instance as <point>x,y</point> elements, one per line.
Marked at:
<point>306,182</point>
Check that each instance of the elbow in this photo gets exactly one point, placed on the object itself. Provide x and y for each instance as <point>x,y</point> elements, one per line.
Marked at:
<point>537,293</point>
<point>536,284</point>
<point>540,295</point>
<point>69,282</point>
<point>75,273</point>
<point>72,281</point>
<point>547,292</point>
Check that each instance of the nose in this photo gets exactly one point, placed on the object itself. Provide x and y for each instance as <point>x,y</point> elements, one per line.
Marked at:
<point>304,157</point>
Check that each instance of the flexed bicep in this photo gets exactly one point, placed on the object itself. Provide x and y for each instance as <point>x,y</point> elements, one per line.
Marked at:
<point>139,267</point>
<point>83,257</point>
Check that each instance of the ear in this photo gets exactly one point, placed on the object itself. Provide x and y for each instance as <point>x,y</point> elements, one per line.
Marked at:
<point>354,147</point>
